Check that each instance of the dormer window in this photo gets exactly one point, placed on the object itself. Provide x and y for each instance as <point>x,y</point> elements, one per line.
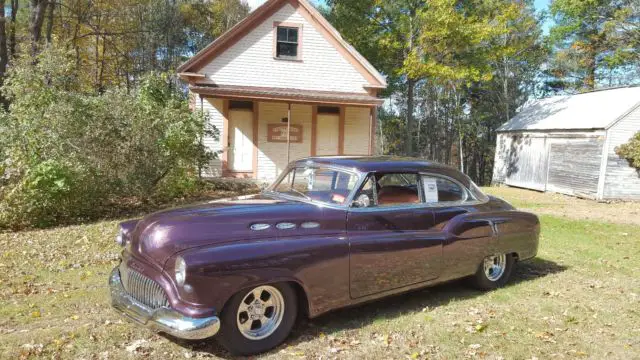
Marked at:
<point>288,39</point>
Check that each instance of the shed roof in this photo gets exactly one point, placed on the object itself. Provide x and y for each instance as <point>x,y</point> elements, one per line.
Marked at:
<point>588,111</point>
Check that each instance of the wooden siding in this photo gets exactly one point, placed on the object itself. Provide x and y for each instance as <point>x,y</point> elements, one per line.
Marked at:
<point>214,109</point>
<point>564,162</point>
<point>621,180</point>
<point>250,61</point>
<point>272,157</point>
<point>522,160</point>
<point>357,130</point>
<point>574,166</point>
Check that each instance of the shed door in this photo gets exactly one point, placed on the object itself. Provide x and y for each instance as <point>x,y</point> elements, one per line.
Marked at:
<point>574,166</point>
<point>241,140</point>
<point>328,134</point>
<point>527,162</point>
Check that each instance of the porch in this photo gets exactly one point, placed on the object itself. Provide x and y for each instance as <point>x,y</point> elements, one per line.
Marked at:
<point>262,131</point>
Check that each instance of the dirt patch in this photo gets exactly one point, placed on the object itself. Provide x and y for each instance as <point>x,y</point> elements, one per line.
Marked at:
<point>570,207</point>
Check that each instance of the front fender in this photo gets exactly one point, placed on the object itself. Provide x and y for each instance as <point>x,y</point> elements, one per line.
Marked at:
<point>318,264</point>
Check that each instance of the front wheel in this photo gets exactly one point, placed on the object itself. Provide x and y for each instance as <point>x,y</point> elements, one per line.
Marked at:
<point>259,319</point>
<point>494,272</point>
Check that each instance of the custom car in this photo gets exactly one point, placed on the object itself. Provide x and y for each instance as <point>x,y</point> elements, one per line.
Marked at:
<point>331,232</point>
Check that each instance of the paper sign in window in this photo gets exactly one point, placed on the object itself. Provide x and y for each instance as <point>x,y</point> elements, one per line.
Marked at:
<point>430,186</point>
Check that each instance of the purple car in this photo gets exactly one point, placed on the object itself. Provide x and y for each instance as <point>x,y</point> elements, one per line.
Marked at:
<point>329,233</point>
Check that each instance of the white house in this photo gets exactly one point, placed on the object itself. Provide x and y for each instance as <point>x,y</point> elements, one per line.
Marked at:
<point>566,144</point>
<point>283,85</point>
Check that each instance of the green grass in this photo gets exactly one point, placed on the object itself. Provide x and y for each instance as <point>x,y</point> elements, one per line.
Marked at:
<point>579,299</point>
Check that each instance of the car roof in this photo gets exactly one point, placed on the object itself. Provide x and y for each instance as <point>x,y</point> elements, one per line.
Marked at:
<point>381,163</point>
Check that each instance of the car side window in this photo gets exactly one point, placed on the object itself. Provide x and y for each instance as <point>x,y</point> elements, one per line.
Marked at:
<point>390,190</point>
<point>439,190</point>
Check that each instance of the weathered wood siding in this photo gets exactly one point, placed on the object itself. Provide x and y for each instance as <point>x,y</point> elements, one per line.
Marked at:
<point>574,166</point>
<point>251,62</point>
<point>521,160</point>
<point>564,162</point>
<point>621,180</point>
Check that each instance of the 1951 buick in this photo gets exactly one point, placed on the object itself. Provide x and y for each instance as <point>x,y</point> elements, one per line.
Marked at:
<point>329,233</point>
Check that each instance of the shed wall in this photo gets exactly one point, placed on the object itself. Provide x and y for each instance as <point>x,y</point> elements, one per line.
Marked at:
<point>621,180</point>
<point>574,166</point>
<point>564,162</point>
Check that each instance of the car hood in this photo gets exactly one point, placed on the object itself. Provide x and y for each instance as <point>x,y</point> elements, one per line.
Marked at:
<point>163,234</point>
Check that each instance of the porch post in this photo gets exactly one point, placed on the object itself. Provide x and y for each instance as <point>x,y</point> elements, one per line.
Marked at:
<point>225,137</point>
<point>341,125</point>
<point>289,134</point>
<point>373,128</point>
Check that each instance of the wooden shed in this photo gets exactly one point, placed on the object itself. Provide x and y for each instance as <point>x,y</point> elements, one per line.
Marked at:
<point>566,144</point>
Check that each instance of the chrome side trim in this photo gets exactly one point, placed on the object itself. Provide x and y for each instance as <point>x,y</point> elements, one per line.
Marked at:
<point>260,227</point>
<point>286,226</point>
<point>163,319</point>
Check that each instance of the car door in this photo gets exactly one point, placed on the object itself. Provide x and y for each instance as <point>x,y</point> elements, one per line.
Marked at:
<point>466,232</point>
<point>392,244</point>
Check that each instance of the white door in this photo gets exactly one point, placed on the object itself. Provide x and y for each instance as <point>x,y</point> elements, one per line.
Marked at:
<point>328,134</point>
<point>241,140</point>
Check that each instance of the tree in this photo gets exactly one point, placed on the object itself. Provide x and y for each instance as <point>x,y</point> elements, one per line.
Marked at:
<point>631,151</point>
<point>385,32</point>
<point>4,53</point>
<point>595,42</point>
<point>36,20</point>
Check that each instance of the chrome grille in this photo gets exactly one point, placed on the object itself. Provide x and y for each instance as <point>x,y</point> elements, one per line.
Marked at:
<point>143,289</point>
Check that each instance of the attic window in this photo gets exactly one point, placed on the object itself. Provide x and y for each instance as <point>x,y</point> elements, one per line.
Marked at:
<point>287,42</point>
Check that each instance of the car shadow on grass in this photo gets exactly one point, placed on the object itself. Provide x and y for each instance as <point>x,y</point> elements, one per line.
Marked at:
<point>388,308</point>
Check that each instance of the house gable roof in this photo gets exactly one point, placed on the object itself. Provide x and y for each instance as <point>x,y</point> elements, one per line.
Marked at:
<point>190,68</point>
<point>589,111</point>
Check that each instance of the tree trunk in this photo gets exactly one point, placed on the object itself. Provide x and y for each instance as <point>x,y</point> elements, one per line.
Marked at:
<point>36,19</point>
<point>50,10</point>
<point>411,85</point>
<point>12,33</point>
<point>3,47</point>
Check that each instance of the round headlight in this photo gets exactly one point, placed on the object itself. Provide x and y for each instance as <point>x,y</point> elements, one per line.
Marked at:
<point>181,271</point>
<point>120,240</point>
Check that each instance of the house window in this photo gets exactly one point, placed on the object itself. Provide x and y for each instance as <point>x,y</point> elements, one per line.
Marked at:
<point>287,45</point>
<point>328,110</point>
<point>240,105</point>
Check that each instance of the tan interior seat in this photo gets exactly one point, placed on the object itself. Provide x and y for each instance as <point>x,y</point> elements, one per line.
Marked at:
<point>395,195</point>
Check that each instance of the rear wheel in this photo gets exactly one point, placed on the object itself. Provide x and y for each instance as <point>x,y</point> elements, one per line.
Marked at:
<point>259,319</point>
<point>494,272</point>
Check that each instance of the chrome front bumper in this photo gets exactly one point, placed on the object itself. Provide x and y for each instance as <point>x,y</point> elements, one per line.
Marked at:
<point>163,320</point>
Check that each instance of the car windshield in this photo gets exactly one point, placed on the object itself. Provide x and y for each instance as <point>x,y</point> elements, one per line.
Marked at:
<point>317,184</point>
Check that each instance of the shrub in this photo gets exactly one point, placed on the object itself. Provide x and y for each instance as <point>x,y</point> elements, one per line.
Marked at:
<point>631,151</point>
<point>66,153</point>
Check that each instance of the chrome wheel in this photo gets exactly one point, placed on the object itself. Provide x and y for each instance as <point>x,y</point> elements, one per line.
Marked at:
<point>494,267</point>
<point>260,313</point>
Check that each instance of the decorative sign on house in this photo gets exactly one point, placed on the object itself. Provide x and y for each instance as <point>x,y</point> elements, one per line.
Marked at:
<point>278,133</point>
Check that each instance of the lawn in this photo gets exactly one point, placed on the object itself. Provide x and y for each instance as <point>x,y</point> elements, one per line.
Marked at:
<point>579,299</point>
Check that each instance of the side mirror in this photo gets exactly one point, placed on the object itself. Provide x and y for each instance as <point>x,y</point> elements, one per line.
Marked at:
<point>361,201</point>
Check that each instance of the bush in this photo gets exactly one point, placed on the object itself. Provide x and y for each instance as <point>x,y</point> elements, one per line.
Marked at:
<point>66,153</point>
<point>631,151</point>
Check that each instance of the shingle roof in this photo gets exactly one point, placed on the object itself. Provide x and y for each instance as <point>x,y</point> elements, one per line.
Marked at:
<point>588,111</point>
